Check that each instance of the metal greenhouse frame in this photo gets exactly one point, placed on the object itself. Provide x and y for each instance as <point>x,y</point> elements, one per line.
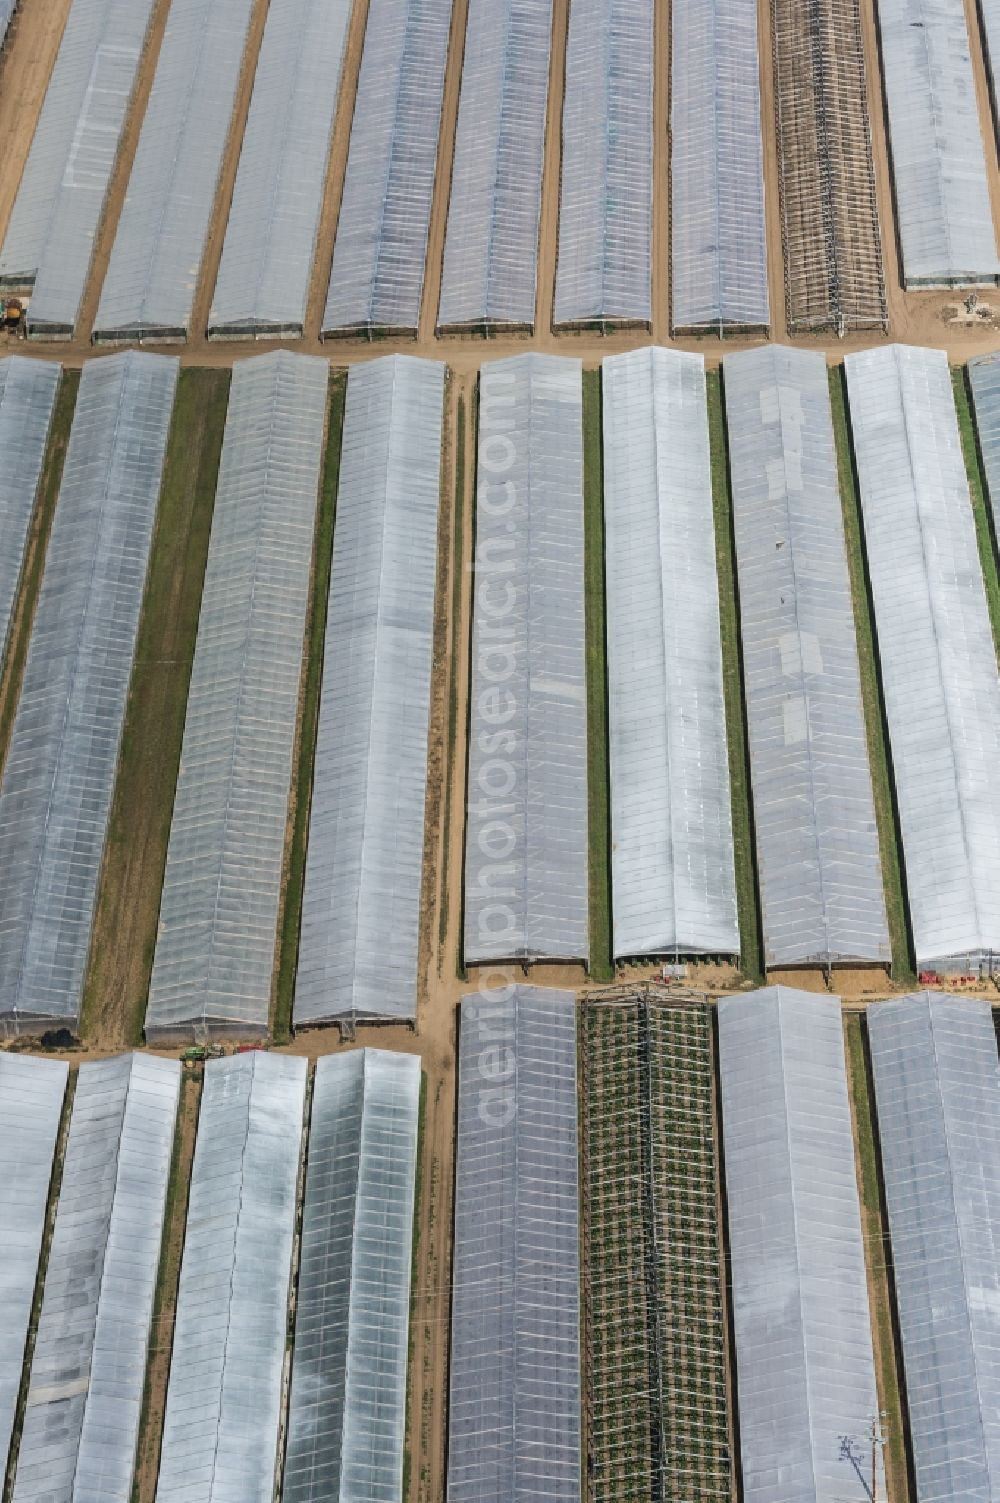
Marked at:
<point>81,1420</point>
<point>944,221</point>
<point>939,675</point>
<point>672,868</point>
<point>360,936</point>
<point>718,261</point>
<point>377,278</point>
<point>227,1368</point>
<point>984,378</point>
<point>58,780</point>
<point>270,245</point>
<point>31,1103</point>
<point>526,871</point>
<point>514,1427</point>
<point>347,1412</point>
<point>50,237</point>
<point>152,276</point>
<point>27,397</point>
<point>808,1401</point>
<point>213,970</point>
<point>937,1091</point>
<point>606,199</point>
<point>820,872</point>
<point>491,245</point>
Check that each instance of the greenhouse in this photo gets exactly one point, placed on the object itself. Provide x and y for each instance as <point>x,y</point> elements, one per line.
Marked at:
<point>944,220</point>
<point>514,1427</point>
<point>152,277</point>
<point>50,236</point>
<point>360,935</point>
<point>937,1090</point>
<point>984,379</point>
<point>938,663</point>
<point>227,1369</point>
<point>718,261</point>
<point>378,260</point>
<point>270,244</point>
<point>819,868</point>
<point>88,1368</point>
<point>804,1363</point>
<point>214,965</point>
<point>606,199</point>
<point>31,1103</point>
<point>347,1412</point>
<point>672,875</point>
<point>526,872</point>
<point>27,398</point>
<point>59,776</point>
<point>491,246</point>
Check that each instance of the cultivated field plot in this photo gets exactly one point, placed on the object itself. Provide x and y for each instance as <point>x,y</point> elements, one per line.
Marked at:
<point>656,1405</point>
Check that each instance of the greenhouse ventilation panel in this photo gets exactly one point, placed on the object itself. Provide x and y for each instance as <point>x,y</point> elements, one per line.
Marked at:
<point>227,1369</point>
<point>718,276</point>
<point>214,965</point>
<point>381,248</point>
<point>937,1091</point>
<point>804,1362</point>
<point>606,200</point>
<point>58,780</point>
<point>347,1413</point>
<point>942,199</point>
<point>27,398</point>
<point>57,212</point>
<point>938,663</point>
<point>270,245</point>
<point>359,943</point>
<point>820,874</point>
<point>526,872</point>
<point>491,245</point>
<point>31,1102</point>
<point>673,880</point>
<point>88,1368</point>
<point>514,1426</point>
<point>984,378</point>
<point>152,276</point>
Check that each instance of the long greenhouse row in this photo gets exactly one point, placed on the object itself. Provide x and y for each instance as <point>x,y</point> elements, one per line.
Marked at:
<point>193,125</point>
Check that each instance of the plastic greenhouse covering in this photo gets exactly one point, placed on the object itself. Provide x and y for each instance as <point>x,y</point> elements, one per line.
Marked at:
<point>359,942</point>
<point>937,1090</point>
<point>805,1368</point>
<point>59,776</point>
<point>820,874</point>
<point>27,396</point>
<point>214,962</point>
<point>152,276</point>
<point>7,8</point>
<point>491,245</point>
<point>50,237</point>
<point>526,883</point>
<point>938,664</point>
<point>718,266</point>
<point>943,214</point>
<point>378,260</point>
<point>31,1099</point>
<point>672,875</point>
<point>347,1414</point>
<point>270,243</point>
<point>514,1426</point>
<point>984,378</point>
<point>224,1397</point>
<point>88,1369</point>
<point>606,198</point>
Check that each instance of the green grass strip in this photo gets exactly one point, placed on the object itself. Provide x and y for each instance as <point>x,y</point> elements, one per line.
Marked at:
<point>601,960</point>
<point>291,913</point>
<point>751,954</point>
<point>871,690</point>
<point>981,510</point>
